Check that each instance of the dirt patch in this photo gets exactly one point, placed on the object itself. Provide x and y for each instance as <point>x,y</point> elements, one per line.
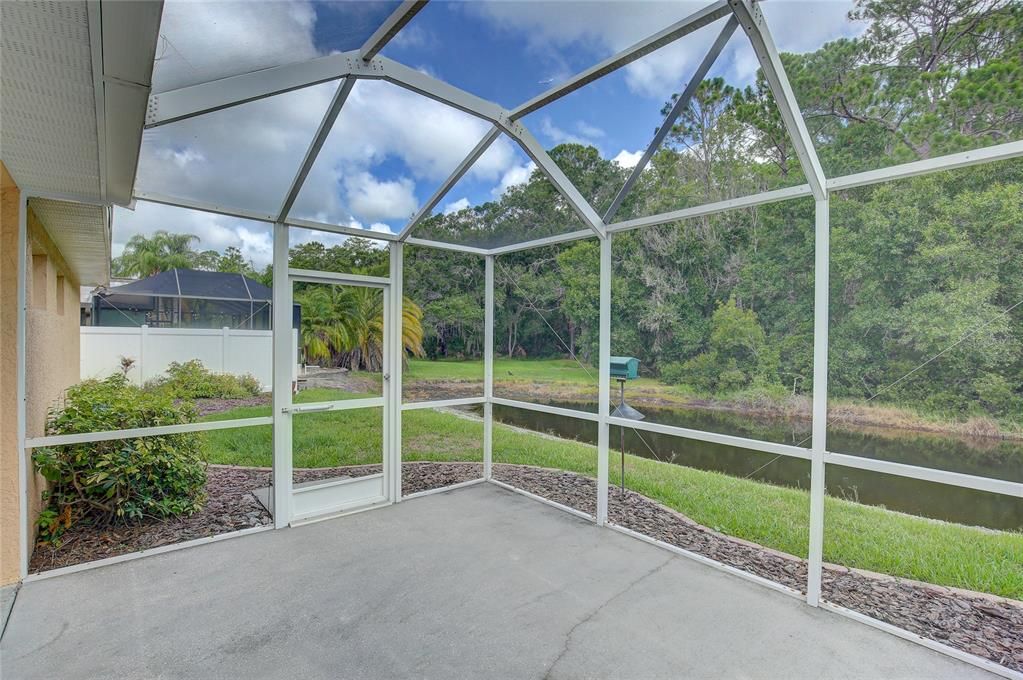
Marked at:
<point>207,407</point>
<point>435,390</point>
<point>982,625</point>
<point>338,379</point>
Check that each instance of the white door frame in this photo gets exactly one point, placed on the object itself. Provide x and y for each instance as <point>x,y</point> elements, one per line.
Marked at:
<point>332,497</point>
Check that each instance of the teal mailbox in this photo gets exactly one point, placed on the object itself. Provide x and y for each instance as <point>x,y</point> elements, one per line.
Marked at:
<point>624,368</point>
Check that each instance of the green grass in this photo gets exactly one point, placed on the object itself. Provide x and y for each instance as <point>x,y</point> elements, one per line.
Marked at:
<point>777,517</point>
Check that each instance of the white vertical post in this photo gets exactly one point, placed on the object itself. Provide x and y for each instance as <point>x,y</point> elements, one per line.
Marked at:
<point>143,337</point>
<point>488,370</point>
<point>604,379</point>
<point>225,339</point>
<point>820,400</point>
<point>393,328</point>
<point>22,396</point>
<point>284,360</point>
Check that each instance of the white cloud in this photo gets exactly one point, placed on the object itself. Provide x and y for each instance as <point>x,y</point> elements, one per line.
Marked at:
<point>589,131</point>
<point>215,232</point>
<point>182,158</point>
<point>380,228</point>
<point>456,206</point>
<point>628,159</point>
<point>382,127</point>
<point>588,134</point>
<point>381,199</point>
<point>514,176</point>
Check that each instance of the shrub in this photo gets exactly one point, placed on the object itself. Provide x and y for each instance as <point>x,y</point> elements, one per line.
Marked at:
<point>996,395</point>
<point>123,479</point>
<point>673,373</point>
<point>192,380</point>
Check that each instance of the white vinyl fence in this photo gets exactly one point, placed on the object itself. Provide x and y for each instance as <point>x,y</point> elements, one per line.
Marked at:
<point>222,351</point>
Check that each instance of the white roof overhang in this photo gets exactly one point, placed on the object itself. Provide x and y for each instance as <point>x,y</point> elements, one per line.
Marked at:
<point>73,94</point>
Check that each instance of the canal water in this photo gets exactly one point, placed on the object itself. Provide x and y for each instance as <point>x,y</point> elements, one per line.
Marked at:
<point>981,456</point>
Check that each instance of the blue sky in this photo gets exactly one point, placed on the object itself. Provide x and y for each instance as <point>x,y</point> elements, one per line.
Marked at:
<point>390,148</point>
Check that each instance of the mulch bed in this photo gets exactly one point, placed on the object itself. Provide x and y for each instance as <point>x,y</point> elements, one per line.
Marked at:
<point>229,507</point>
<point>982,625</point>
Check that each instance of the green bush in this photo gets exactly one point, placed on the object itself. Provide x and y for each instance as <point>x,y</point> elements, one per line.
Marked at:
<point>996,395</point>
<point>121,479</point>
<point>673,373</point>
<point>192,380</point>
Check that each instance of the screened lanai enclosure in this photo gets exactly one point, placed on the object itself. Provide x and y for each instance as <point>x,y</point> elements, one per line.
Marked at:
<point>797,226</point>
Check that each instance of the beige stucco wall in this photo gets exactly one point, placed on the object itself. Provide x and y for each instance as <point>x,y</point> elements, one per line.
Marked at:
<point>51,361</point>
<point>9,508</point>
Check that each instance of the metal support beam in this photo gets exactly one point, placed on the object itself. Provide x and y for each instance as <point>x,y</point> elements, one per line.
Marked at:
<point>457,247</point>
<point>394,23</point>
<point>999,152</point>
<point>326,125</point>
<point>428,86</point>
<point>604,380</point>
<point>819,433</point>
<point>195,100</point>
<point>548,167</point>
<point>488,369</point>
<point>284,364</point>
<point>690,24</point>
<point>545,241</point>
<point>712,208</point>
<point>152,197</point>
<point>338,229</point>
<point>393,329</point>
<point>450,182</point>
<point>681,104</point>
<point>752,21</point>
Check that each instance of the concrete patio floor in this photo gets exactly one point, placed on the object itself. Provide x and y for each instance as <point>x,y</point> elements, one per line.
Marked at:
<point>474,583</point>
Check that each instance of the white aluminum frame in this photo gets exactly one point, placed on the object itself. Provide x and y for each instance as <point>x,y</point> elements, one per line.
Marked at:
<point>366,63</point>
<point>389,401</point>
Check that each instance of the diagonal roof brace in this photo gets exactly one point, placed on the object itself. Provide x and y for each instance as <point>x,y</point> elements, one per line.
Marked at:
<point>326,125</point>
<point>463,167</point>
<point>690,24</point>
<point>535,150</point>
<point>752,21</point>
<point>681,104</point>
<point>387,30</point>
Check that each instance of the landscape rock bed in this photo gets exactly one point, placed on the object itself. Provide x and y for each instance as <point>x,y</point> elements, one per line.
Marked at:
<point>985,626</point>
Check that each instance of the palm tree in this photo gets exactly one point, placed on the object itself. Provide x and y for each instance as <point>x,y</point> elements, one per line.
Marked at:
<point>144,256</point>
<point>344,326</point>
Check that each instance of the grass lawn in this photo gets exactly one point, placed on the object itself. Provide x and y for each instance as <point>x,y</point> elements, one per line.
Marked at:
<point>856,535</point>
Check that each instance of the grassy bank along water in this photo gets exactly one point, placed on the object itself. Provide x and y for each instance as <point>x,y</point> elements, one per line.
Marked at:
<point>565,380</point>
<point>860,536</point>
